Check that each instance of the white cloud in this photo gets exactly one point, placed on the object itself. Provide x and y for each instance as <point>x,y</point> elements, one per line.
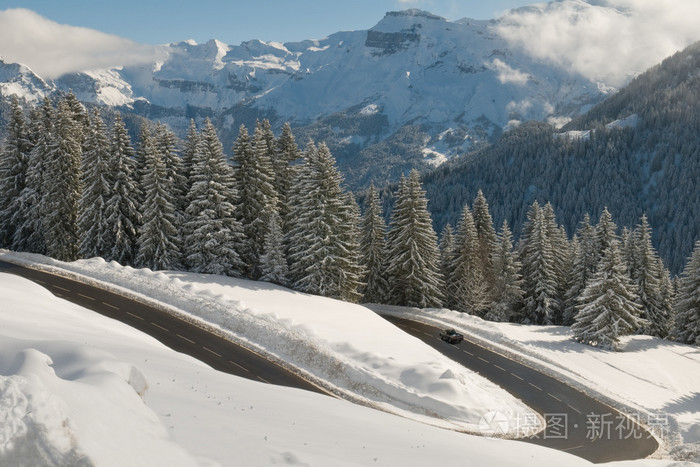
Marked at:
<point>605,40</point>
<point>52,49</point>
<point>506,74</point>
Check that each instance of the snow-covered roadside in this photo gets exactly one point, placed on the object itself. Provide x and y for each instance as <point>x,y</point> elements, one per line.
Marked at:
<point>343,346</point>
<point>77,388</point>
<point>654,379</point>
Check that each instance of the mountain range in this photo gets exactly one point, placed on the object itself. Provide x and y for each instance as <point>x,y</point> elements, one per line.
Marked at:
<point>411,92</point>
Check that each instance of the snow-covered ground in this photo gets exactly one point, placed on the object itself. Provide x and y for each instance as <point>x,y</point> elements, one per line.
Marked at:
<point>78,388</point>
<point>654,379</point>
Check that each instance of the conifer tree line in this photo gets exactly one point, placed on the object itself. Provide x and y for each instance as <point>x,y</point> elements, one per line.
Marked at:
<point>72,187</point>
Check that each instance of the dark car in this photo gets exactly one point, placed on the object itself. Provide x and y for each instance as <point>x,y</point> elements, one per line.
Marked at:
<point>451,336</point>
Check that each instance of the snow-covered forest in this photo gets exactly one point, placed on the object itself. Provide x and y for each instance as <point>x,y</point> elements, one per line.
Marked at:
<point>74,186</point>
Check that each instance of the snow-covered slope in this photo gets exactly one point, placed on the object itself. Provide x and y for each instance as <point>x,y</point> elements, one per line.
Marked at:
<point>20,81</point>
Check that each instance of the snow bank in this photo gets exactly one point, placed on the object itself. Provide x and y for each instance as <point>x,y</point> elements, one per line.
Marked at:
<point>342,346</point>
<point>652,378</point>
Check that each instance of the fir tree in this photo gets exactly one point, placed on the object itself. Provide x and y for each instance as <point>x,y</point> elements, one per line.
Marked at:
<point>508,295</point>
<point>122,210</point>
<point>62,187</point>
<point>467,288</point>
<point>561,260</point>
<point>286,156</point>
<point>447,248</point>
<point>608,307</point>
<point>583,268</point>
<point>176,182</point>
<point>413,259</point>
<point>687,305</point>
<point>159,243</point>
<point>539,274</point>
<point>28,214</point>
<point>98,182</point>
<point>14,165</point>
<point>273,261</point>
<point>373,247</point>
<point>486,234</point>
<point>189,151</point>
<point>213,236</point>
<point>647,274</point>
<point>257,199</point>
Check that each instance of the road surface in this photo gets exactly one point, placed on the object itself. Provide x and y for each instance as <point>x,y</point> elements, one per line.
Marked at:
<point>577,423</point>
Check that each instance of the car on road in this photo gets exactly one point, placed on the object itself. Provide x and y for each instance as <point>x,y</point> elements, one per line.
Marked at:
<point>451,336</point>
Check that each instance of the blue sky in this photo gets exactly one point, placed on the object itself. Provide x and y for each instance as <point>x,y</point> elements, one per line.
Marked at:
<point>233,21</point>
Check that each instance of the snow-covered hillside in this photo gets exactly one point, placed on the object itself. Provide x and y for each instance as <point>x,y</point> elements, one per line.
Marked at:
<point>80,389</point>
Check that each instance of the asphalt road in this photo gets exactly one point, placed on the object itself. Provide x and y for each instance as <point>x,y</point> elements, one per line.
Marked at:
<point>179,335</point>
<point>576,423</point>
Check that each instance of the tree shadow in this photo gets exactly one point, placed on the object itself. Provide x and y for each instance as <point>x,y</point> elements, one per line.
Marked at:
<point>690,403</point>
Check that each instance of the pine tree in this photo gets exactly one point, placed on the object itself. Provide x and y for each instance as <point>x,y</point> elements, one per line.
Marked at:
<point>647,274</point>
<point>508,295</point>
<point>158,241</point>
<point>189,151</point>
<point>213,235</point>
<point>122,210</point>
<point>583,268</point>
<point>468,290</point>
<point>323,242</point>
<point>413,259</point>
<point>483,222</point>
<point>273,261</point>
<point>286,156</point>
<point>98,182</point>
<point>539,275</point>
<point>28,215</point>
<point>608,307</point>
<point>62,187</point>
<point>14,165</point>
<point>176,182</point>
<point>447,248</point>
<point>562,260</point>
<point>257,199</point>
<point>687,305</point>
<point>373,247</point>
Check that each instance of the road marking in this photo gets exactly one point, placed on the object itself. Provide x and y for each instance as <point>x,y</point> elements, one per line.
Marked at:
<point>429,335</point>
<point>517,377</point>
<point>483,359</point>
<point>111,306</point>
<point>538,388</point>
<point>553,396</point>
<point>574,408</point>
<point>135,316</point>
<point>500,368</point>
<point>572,448</point>
<point>161,327</point>
<point>39,282</point>
<point>239,366</point>
<point>85,296</point>
<point>416,330</point>
<point>188,340</point>
<point>263,380</point>
<point>210,350</point>
<point>468,352</point>
<point>60,288</point>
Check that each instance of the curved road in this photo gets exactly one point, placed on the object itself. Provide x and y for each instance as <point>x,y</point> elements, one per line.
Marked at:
<point>179,335</point>
<point>577,423</point>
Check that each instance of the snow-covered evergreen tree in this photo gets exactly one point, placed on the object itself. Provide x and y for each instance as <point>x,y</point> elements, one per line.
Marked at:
<point>647,274</point>
<point>687,305</point>
<point>189,152</point>
<point>605,233</point>
<point>323,244</point>
<point>28,215</point>
<point>122,210</point>
<point>158,241</point>
<point>413,259</point>
<point>376,289</point>
<point>257,199</point>
<point>98,182</point>
<point>508,296</point>
<point>467,288</point>
<point>213,235</point>
<point>447,248</point>
<point>486,234</point>
<point>273,261</point>
<point>562,260</point>
<point>62,186</point>
<point>583,268</point>
<point>176,186</point>
<point>608,306</point>
<point>14,165</point>
<point>286,157</point>
<point>539,274</point>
